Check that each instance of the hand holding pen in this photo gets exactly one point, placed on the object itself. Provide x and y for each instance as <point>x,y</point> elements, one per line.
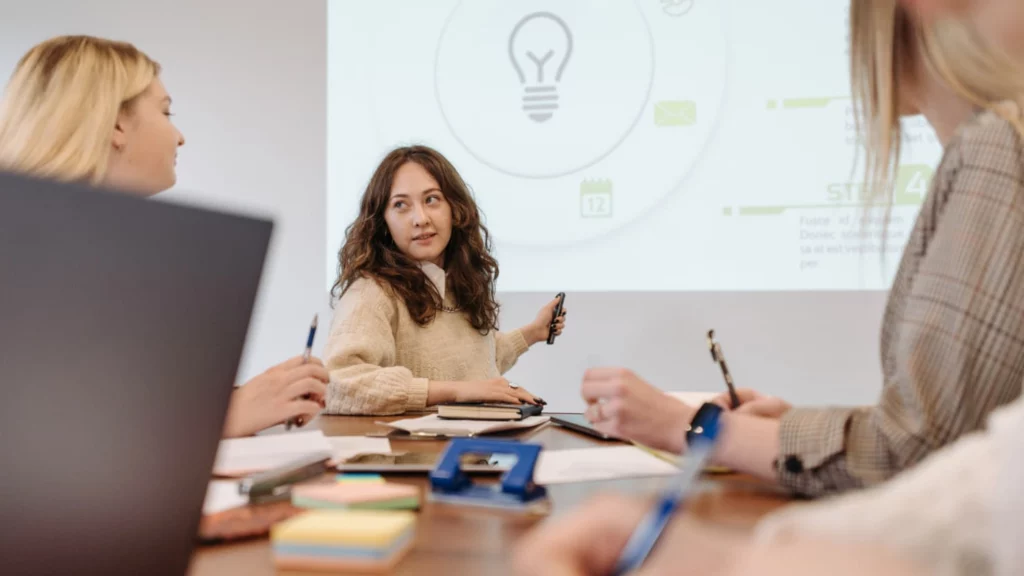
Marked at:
<point>306,355</point>
<point>717,356</point>
<point>744,400</point>
<point>277,396</point>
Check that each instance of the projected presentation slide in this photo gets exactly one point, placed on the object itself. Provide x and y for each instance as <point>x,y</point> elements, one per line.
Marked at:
<point>628,145</point>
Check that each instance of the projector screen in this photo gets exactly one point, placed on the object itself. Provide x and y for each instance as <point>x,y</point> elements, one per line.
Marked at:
<point>619,145</point>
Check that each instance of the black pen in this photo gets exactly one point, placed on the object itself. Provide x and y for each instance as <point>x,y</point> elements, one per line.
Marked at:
<point>306,354</point>
<point>717,356</point>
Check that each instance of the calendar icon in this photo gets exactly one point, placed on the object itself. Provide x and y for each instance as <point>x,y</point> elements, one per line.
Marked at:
<point>596,199</point>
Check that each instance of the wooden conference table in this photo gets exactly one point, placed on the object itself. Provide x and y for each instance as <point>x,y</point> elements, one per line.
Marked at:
<point>461,540</point>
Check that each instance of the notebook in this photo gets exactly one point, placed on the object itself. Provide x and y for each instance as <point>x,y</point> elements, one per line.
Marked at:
<point>487,411</point>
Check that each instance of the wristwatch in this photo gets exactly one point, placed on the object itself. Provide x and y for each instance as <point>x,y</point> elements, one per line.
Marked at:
<point>704,425</point>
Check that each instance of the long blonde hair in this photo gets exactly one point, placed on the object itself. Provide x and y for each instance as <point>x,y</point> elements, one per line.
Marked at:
<point>61,105</point>
<point>884,41</point>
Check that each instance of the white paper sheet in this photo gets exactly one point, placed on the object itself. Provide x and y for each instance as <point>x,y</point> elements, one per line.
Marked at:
<point>433,425</point>
<point>591,464</point>
<point>694,399</point>
<point>223,495</point>
<point>348,446</point>
<point>241,456</point>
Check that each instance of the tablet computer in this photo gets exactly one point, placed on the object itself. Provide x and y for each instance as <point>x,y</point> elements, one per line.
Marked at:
<point>579,423</point>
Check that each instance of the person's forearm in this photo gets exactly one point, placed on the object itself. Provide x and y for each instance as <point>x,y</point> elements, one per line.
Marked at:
<point>366,390</point>
<point>748,444</point>
<point>532,335</point>
<point>439,392</point>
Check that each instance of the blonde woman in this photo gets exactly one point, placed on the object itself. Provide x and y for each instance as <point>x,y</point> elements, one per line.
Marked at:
<point>953,332</point>
<point>961,510</point>
<point>90,110</point>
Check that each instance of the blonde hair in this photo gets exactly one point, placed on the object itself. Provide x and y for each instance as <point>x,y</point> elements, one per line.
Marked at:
<point>885,43</point>
<point>60,108</point>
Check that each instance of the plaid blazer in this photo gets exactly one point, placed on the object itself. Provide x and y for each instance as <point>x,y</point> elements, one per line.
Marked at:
<point>953,332</point>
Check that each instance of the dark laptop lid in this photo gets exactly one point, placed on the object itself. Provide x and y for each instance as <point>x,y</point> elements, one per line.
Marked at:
<point>122,322</point>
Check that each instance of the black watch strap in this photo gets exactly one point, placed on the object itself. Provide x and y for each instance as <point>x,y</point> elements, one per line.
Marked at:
<point>704,426</point>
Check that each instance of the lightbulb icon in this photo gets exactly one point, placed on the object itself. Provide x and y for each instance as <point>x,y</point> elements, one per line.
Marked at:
<point>540,46</point>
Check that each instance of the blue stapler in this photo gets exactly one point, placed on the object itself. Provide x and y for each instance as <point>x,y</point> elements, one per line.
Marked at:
<point>516,491</point>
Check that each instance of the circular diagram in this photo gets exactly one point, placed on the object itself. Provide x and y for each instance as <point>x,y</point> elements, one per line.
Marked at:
<point>539,97</point>
<point>568,120</point>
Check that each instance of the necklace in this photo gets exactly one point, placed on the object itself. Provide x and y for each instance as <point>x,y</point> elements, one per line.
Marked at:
<point>449,309</point>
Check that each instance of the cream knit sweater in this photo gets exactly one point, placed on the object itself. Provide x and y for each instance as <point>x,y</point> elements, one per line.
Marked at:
<point>380,360</point>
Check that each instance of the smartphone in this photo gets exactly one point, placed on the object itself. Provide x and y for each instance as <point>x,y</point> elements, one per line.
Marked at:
<point>558,312</point>
<point>579,423</point>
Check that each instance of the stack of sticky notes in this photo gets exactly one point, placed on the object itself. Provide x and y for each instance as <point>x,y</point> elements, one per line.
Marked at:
<point>357,496</point>
<point>343,540</point>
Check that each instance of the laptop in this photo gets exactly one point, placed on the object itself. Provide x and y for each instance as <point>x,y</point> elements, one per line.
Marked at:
<point>122,323</point>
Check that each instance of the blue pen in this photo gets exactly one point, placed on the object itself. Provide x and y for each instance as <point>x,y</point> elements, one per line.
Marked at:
<point>306,354</point>
<point>649,531</point>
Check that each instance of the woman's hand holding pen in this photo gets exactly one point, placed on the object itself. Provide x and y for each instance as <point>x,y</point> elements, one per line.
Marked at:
<point>276,396</point>
<point>587,541</point>
<point>623,405</point>
<point>754,403</point>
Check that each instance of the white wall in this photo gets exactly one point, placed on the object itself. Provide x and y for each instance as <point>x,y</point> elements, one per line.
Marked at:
<point>248,79</point>
<point>809,347</point>
<point>249,88</point>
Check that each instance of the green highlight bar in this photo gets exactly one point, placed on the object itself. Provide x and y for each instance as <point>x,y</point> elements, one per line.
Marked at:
<point>761,210</point>
<point>910,189</point>
<point>776,210</point>
<point>790,103</point>
<point>804,103</point>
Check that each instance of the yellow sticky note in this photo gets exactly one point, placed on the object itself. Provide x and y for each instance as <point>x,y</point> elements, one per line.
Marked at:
<point>345,528</point>
<point>675,113</point>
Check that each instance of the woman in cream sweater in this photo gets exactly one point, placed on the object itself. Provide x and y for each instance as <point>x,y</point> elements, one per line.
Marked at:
<point>416,320</point>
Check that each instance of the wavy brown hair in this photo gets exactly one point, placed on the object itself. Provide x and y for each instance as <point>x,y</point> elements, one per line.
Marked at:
<point>370,252</point>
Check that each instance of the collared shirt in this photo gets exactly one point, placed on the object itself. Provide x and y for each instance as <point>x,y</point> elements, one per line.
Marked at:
<point>437,276</point>
<point>953,331</point>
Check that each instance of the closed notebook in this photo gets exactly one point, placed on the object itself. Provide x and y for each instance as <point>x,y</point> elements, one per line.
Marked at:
<point>487,411</point>
<point>343,540</point>
<point>356,496</point>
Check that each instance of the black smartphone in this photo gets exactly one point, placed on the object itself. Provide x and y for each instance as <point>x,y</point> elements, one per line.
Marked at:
<point>579,423</point>
<point>558,312</point>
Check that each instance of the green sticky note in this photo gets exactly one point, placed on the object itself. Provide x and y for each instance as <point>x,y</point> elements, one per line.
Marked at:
<point>675,113</point>
<point>369,478</point>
